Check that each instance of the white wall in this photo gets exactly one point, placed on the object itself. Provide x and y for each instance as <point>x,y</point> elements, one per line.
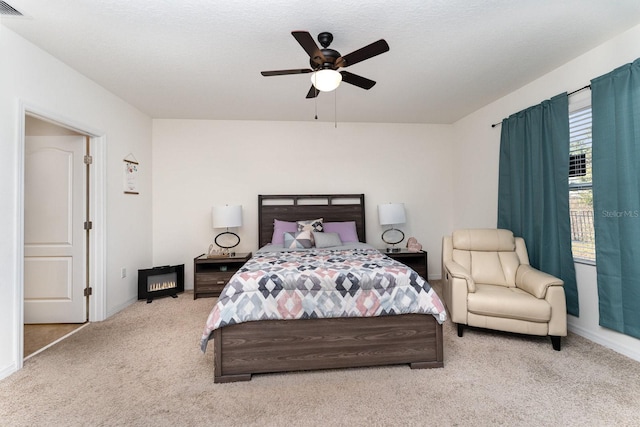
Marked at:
<point>198,164</point>
<point>30,76</point>
<point>477,154</point>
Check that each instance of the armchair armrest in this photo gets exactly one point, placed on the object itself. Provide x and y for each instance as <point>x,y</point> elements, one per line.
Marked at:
<point>535,281</point>
<point>459,272</point>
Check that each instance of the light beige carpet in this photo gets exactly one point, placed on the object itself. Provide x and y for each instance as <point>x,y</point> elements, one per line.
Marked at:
<point>143,367</point>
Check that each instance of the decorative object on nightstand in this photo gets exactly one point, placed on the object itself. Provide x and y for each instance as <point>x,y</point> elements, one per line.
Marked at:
<point>225,217</point>
<point>416,260</point>
<point>413,245</point>
<point>392,214</point>
<point>210,275</point>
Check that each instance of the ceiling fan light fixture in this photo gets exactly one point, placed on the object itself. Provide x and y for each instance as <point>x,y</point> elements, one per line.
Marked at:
<point>326,80</point>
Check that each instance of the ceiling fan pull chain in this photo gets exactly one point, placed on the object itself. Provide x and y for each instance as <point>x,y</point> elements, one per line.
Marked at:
<point>315,100</point>
<point>335,108</point>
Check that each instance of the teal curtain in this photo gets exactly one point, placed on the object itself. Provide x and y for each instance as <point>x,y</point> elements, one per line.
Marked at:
<point>533,188</point>
<point>615,101</point>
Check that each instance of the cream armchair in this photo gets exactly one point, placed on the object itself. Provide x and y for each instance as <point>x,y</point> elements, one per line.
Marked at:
<point>489,283</point>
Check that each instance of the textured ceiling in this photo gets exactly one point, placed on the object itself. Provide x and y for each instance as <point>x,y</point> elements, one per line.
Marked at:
<point>201,59</point>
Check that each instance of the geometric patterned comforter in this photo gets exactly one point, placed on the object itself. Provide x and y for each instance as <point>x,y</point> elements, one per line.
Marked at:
<point>321,283</point>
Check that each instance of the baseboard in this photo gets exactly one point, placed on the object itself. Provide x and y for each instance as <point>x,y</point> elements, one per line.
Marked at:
<point>633,353</point>
<point>8,370</point>
<point>120,307</point>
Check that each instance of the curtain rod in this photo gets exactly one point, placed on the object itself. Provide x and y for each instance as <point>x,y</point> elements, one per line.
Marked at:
<point>569,94</point>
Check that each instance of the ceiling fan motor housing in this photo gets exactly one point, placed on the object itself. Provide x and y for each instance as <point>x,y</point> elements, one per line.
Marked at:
<point>330,57</point>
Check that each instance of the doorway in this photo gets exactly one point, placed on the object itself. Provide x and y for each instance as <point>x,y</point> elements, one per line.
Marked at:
<point>35,122</point>
<point>56,188</point>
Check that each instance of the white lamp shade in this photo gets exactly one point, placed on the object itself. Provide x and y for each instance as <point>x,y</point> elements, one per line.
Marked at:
<point>326,80</point>
<point>391,213</point>
<point>226,216</point>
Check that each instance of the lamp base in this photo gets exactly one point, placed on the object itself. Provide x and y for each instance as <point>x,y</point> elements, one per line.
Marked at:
<point>227,237</point>
<point>392,237</point>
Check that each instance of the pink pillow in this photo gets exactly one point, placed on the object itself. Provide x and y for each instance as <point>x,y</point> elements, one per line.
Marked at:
<point>346,230</point>
<point>281,227</point>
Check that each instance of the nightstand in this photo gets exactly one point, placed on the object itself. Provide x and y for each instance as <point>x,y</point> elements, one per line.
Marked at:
<point>210,275</point>
<point>414,260</point>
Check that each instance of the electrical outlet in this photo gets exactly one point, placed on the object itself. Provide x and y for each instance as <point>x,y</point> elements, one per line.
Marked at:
<point>123,272</point>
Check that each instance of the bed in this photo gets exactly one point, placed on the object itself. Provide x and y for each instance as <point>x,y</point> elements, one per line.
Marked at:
<point>246,347</point>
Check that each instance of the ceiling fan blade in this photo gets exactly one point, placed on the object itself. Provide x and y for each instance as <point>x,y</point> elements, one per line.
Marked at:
<point>357,80</point>
<point>285,72</point>
<point>369,51</point>
<point>313,92</point>
<point>310,46</point>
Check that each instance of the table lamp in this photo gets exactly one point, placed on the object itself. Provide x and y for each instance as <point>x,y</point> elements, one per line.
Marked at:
<point>227,217</point>
<point>392,214</point>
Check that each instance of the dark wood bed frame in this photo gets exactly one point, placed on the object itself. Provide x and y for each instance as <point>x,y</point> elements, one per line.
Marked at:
<point>298,345</point>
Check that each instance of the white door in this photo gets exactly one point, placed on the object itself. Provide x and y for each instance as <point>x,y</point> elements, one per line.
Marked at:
<point>54,235</point>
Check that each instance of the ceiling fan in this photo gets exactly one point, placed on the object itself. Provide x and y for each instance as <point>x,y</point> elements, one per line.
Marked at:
<point>325,63</point>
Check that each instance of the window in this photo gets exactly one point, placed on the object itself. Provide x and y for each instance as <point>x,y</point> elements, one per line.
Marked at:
<point>580,191</point>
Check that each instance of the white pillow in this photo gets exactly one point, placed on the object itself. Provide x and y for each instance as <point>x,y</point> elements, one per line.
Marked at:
<point>310,224</point>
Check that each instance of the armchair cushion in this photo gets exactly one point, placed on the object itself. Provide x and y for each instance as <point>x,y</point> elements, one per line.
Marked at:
<point>510,303</point>
<point>483,240</point>
<point>496,268</point>
<point>488,254</point>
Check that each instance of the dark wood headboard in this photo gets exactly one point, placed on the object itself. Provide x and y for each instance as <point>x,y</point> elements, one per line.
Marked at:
<point>300,207</point>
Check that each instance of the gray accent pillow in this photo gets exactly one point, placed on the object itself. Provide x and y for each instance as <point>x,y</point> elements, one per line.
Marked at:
<point>326,240</point>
